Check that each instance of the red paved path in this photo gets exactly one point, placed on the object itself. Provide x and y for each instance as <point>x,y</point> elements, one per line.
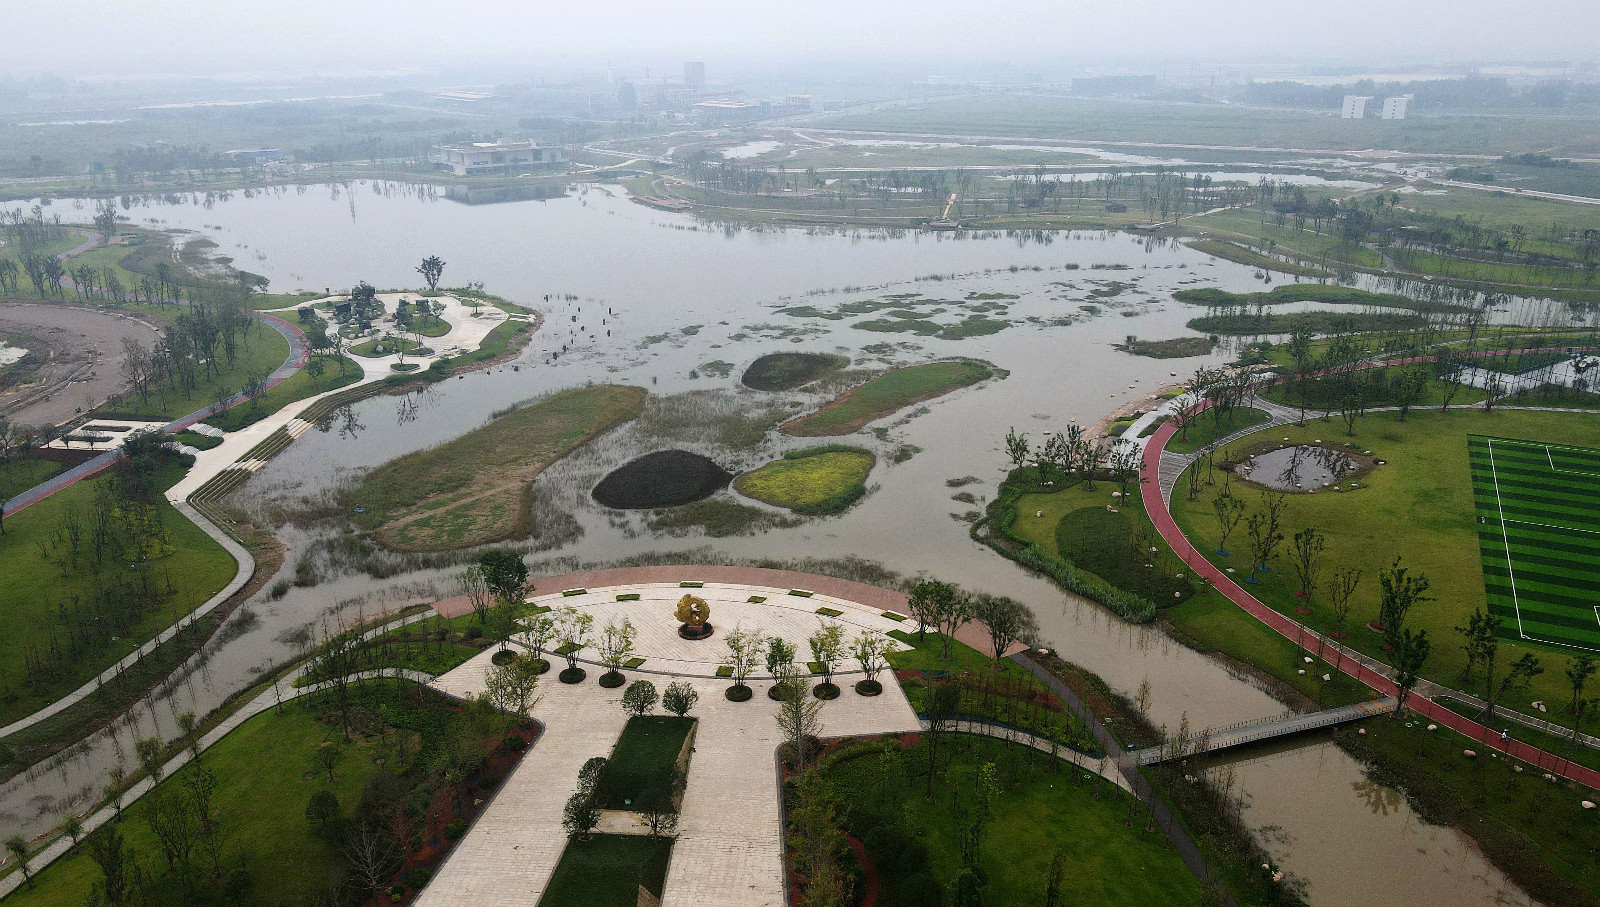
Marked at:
<point>1156,506</point>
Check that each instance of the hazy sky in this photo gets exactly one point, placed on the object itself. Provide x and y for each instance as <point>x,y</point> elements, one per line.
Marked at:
<point>218,36</point>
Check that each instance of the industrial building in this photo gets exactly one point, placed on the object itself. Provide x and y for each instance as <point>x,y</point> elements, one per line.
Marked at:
<point>1396,108</point>
<point>1355,107</point>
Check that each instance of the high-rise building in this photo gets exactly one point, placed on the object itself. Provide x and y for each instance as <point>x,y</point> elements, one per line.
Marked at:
<point>694,75</point>
<point>1395,108</point>
<point>1355,107</point>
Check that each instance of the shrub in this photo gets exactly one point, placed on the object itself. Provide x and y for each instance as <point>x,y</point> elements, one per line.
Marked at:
<point>474,633</point>
<point>418,877</point>
<point>918,890</point>
<point>456,829</point>
<point>503,657</point>
<point>515,744</point>
<point>679,698</point>
<point>738,694</point>
<point>640,698</point>
<point>612,679</point>
<point>397,892</point>
<point>572,675</point>
<point>869,687</point>
<point>825,691</point>
<point>281,588</point>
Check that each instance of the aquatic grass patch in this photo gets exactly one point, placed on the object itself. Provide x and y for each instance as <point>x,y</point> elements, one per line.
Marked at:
<point>887,394</point>
<point>1331,294</point>
<point>787,371</point>
<point>717,517</point>
<point>663,478</point>
<point>474,489</point>
<point>814,482</point>
<point>1175,348</point>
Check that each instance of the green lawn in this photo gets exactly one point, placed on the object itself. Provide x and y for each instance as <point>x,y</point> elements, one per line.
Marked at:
<point>1207,429</point>
<point>1037,813</point>
<point>606,871</point>
<point>338,373</point>
<point>266,772</point>
<point>369,349</point>
<point>649,745</point>
<point>18,475</point>
<point>886,394</point>
<point>1377,385</point>
<point>195,567</point>
<point>1306,244</point>
<point>819,480</point>
<point>1419,506</point>
<point>261,349</point>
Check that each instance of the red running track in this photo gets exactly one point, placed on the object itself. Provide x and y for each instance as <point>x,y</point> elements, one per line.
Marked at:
<point>1156,506</point>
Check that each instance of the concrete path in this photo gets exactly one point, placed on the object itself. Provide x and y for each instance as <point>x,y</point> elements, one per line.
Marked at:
<point>256,706</point>
<point>247,569</point>
<point>728,851</point>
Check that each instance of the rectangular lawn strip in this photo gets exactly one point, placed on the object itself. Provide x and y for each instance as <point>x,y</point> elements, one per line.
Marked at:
<point>1422,505</point>
<point>491,465</point>
<point>649,745</point>
<point>886,394</point>
<point>18,475</point>
<point>35,587</point>
<point>1037,812</point>
<point>1539,534</point>
<point>337,373</point>
<point>607,870</point>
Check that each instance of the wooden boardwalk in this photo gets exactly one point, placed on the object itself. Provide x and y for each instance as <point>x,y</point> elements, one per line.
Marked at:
<point>1210,741</point>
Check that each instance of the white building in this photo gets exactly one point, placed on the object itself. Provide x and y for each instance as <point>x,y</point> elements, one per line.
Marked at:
<point>1355,107</point>
<point>499,157</point>
<point>1395,108</point>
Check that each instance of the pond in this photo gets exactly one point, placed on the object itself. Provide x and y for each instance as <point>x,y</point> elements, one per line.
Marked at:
<point>1300,468</point>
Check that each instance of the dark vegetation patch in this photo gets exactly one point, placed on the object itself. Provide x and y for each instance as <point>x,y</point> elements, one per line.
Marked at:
<point>665,478</point>
<point>1257,322</point>
<point>647,749</point>
<point>787,371</point>
<point>1176,348</point>
<point>1311,292</point>
<point>608,870</point>
<point>1107,545</point>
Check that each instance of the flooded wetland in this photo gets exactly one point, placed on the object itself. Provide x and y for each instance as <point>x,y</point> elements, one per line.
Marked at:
<point>636,297</point>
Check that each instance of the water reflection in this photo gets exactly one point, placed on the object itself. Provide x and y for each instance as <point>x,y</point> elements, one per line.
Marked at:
<point>1293,468</point>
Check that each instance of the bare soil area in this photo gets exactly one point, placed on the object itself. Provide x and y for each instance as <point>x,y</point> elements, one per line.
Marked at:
<point>81,347</point>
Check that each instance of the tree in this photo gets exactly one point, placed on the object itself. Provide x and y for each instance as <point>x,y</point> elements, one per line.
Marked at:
<point>639,698</point>
<point>780,657</point>
<point>942,701</point>
<point>475,588</point>
<point>1264,539</point>
<point>1007,619</point>
<point>536,633</point>
<point>1305,554</point>
<point>827,647</point>
<point>1017,448</point>
<point>373,855</point>
<point>1579,669</point>
<point>430,269</point>
<point>109,852</point>
<point>954,612</point>
<point>18,848</point>
<point>322,813</point>
<point>511,686</point>
<point>658,802</point>
<point>1522,672</point>
<point>1127,461</point>
<point>1341,592</point>
<point>1412,654</point>
<point>1228,510</point>
<point>926,603</point>
<point>1053,879</point>
<point>1401,589</point>
<point>800,723</point>
<point>1478,631</point>
<point>616,645</point>
<point>582,812</point>
<point>72,827</point>
<point>504,573</point>
<point>327,757</point>
<point>745,649</point>
<point>575,626</point>
<point>871,648</point>
<point>679,698</point>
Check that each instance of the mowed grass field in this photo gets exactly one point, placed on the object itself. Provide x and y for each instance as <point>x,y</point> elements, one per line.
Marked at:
<point>470,491</point>
<point>1418,506</point>
<point>885,394</point>
<point>1538,508</point>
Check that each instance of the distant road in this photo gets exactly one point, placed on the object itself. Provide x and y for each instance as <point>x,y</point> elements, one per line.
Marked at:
<point>1530,193</point>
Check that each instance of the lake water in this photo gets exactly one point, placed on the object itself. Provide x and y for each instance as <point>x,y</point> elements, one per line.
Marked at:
<point>641,296</point>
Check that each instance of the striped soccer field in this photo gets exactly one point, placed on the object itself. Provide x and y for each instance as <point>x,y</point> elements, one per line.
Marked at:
<point>1538,513</point>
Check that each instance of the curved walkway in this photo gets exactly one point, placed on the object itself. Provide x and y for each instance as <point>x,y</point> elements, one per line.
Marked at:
<point>1370,672</point>
<point>267,700</point>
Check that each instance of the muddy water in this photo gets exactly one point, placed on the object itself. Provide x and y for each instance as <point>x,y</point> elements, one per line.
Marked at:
<point>1356,841</point>
<point>640,296</point>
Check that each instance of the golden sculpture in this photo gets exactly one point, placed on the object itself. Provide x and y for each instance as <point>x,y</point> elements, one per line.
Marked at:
<point>693,611</point>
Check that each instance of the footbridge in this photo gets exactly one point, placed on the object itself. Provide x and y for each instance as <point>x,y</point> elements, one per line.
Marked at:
<point>1213,739</point>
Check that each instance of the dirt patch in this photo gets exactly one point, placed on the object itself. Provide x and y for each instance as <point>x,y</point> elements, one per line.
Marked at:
<point>79,347</point>
<point>787,371</point>
<point>665,478</point>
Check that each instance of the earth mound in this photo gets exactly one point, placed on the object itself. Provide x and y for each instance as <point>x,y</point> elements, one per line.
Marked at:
<point>665,478</point>
<point>787,371</point>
